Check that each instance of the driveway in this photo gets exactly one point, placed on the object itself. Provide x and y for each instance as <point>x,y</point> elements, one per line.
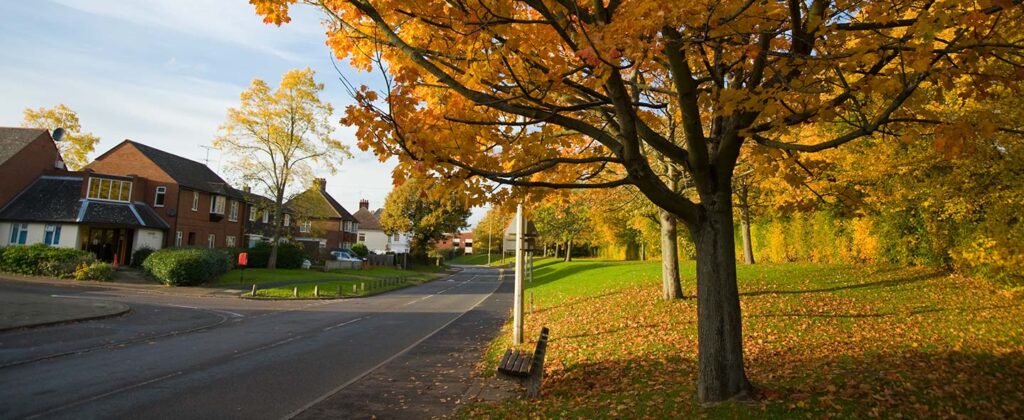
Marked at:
<point>175,356</point>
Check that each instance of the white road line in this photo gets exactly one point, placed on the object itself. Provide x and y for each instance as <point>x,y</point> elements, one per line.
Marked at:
<point>345,323</point>
<point>268,346</point>
<point>75,297</point>
<point>103,395</point>
<point>388,360</point>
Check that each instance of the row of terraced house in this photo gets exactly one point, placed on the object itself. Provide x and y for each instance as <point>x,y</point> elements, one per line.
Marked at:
<point>135,196</point>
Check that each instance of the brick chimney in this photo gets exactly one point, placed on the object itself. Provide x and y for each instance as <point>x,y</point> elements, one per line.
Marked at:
<point>322,183</point>
<point>364,204</point>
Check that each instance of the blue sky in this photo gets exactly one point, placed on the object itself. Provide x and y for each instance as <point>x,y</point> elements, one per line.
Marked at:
<point>164,72</point>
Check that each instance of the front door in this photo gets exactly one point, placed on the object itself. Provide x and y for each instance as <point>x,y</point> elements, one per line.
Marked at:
<point>108,244</point>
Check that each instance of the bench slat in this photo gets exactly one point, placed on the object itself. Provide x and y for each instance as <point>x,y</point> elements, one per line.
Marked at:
<point>505,360</point>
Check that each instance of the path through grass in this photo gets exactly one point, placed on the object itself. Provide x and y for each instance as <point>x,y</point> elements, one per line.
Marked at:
<point>820,340</point>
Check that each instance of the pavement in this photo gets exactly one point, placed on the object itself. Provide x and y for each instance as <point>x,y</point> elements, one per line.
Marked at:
<point>21,307</point>
<point>410,353</point>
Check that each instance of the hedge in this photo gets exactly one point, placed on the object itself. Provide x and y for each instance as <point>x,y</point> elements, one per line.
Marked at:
<point>98,270</point>
<point>43,260</point>
<point>288,255</point>
<point>186,266</point>
<point>140,255</point>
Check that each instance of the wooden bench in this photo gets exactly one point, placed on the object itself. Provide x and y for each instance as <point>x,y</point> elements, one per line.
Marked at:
<point>526,367</point>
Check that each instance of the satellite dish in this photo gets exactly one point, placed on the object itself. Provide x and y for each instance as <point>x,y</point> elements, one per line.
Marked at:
<point>58,133</point>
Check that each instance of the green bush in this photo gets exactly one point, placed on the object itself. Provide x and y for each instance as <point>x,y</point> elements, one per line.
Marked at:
<point>140,255</point>
<point>289,255</point>
<point>186,266</point>
<point>232,255</point>
<point>98,270</point>
<point>360,250</point>
<point>43,260</point>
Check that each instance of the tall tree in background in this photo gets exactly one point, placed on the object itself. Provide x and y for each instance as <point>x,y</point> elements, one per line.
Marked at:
<point>276,137</point>
<point>76,145</point>
<point>564,219</point>
<point>560,94</point>
<point>426,211</point>
<point>489,232</point>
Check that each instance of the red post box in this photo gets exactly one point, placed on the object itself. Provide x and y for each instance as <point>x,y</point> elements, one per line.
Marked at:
<point>243,259</point>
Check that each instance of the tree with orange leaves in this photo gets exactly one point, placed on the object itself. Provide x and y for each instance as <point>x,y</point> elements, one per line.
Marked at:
<point>567,94</point>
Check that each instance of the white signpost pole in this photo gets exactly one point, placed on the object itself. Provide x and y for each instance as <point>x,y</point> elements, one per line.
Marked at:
<point>517,301</point>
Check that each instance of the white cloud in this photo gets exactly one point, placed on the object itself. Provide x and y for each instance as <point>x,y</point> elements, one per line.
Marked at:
<point>222,21</point>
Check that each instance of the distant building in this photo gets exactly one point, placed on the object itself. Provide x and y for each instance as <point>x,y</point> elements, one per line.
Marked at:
<point>461,240</point>
<point>198,206</point>
<point>323,224</point>
<point>373,235</point>
<point>259,220</point>
<point>25,154</point>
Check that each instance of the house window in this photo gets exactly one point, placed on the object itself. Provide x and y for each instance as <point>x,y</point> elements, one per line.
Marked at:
<point>362,237</point>
<point>217,204</point>
<point>211,241</point>
<point>19,233</point>
<point>191,238</point>
<point>287,220</point>
<point>355,227</point>
<point>229,241</point>
<point>109,189</point>
<point>266,217</point>
<point>252,214</point>
<point>51,235</point>
<point>160,193</point>
<point>195,200</point>
<point>305,227</point>
<point>394,238</point>
<point>233,215</point>
<point>177,238</point>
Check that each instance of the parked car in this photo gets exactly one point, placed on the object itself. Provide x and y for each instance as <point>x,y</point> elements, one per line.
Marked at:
<point>345,256</point>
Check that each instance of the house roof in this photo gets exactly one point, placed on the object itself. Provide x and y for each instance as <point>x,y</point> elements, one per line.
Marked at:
<point>318,204</point>
<point>58,199</point>
<point>186,172</point>
<point>367,220</point>
<point>13,139</point>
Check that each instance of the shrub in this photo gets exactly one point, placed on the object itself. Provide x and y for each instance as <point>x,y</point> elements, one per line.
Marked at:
<point>360,250</point>
<point>232,255</point>
<point>98,270</point>
<point>289,255</point>
<point>186,266</point>
<point>140,255</point>
<point>43,260</point>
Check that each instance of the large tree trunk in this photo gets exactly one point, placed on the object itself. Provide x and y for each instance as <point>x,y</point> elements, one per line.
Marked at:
<point>748,247</point>
<point>720,373</point>
<point>670,286</point>
<point>568,250</point>
<point>278,222</point>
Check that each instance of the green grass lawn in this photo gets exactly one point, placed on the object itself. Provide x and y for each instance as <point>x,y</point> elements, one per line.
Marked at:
<point>819,341</point>
<point>264,275</point>
<point>479,259</point>
<point>340,288</point>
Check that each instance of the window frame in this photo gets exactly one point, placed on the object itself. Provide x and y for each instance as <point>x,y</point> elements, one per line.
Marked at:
<point>195,200</point>
<point>233,211</point>
<point>252,213</point>
<point>266,216</point>
<point>19,233</point>
<point>160,196</point>
<point>95,193</point>
<point>214,201</point>
<point>51,234</point>
<point>287,220</point>
<point>177,238</point>
<point>305,226</point>
<point>229,241</point>
<point>211,241</point>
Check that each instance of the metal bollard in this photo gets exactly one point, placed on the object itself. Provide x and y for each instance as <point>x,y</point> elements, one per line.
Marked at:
<point>295,292</point>
<point>316,291</point>
<point>254,289</point>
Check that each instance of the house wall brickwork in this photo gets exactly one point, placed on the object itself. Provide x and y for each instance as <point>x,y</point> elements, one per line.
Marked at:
<point>24,167</point>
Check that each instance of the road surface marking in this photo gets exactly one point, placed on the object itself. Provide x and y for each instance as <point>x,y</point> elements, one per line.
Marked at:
<point>388,360</point>
<point>268,346</point>
<point>344,323</point>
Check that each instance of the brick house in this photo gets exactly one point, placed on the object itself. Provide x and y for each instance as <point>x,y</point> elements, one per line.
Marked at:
<point>25,154</point>
<point>199,208</point>
<point>323,224</point>
<point>259,220</point>
<point>461,240</point>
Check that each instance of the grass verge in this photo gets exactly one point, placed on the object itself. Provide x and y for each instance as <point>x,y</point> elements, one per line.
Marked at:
<point>820,341</point>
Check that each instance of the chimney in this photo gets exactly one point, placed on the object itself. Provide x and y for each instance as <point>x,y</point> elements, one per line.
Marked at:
<point>364,204</point>
<point>247,189</point>
<point>322,183</point>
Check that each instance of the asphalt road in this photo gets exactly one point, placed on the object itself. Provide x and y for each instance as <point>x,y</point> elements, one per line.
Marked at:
<point>193,357</point>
